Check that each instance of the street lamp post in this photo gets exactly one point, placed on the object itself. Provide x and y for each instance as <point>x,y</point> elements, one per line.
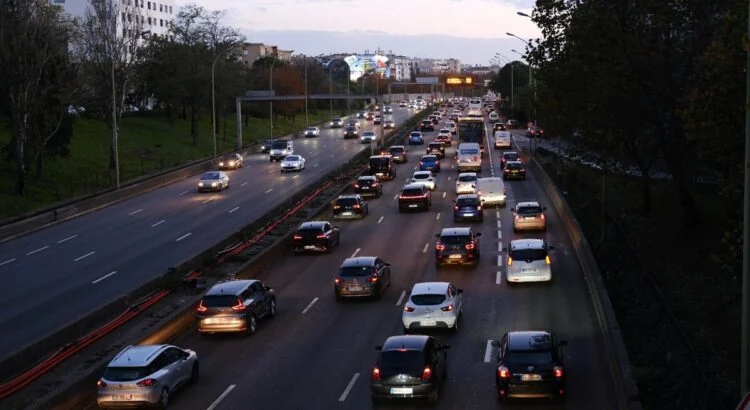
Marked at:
<point>530,72</point>
<point>213,94</point>
<point>330,87</point>
<point>270,92</point>
<point>745,338</point>
<point>307,97</point>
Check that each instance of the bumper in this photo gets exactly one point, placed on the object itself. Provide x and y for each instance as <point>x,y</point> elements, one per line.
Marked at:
<point>276,157</point>
<point>348,215</point>
<point>399,160</point>
<point>469,168</point>
<point>550,389</point>
<point>456,259</point>
<point>295,168</point>
<point>311,246</point>
<point>128,399</point>
<point>413,205</point>
<point>311,135</point>
<point>414,323</point>
<point>493,200</point>
<point>209,188</point>
<point>528,278</point>
<point>384,391</point>
<point>533,225</point>
<point>237,325</point>
<point>502,145</point>
<point>344,292</point>
<point>475,215</point>
<point>514,176</point>
<point>429,168</point>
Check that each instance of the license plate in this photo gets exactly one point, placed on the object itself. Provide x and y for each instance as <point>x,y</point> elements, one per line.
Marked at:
<point>454,256</point>
<point>218,320</point>
<point>355,288</point>
<point>528,218</point>
<point>531,377</point>
<point>402,390</point>
<point>310,247</point>
<point>364,188</point>
<point>528,270</point>
<point>122,397</point>
<point>468,214</point>
<point>413,206</point>
<point>428,323</point>
<point>346,213</point>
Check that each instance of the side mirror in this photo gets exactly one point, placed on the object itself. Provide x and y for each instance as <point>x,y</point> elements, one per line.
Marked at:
<point>552,248</point>
<point>505,249</point>
<point>479,234</point>
<point>460,291</point>
<point>437,235</point>
<point>562,343</point>
<point>378,348</point>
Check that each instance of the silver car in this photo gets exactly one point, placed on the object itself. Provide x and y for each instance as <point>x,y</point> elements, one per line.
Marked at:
<point>293,163</point>
<point>425,178</point>
<point>367,137</point>
<point>466,183</point>
<point>433,305</point>
<point>213,181</point>
<point>312,132</point>
<point>529,216</point>
<point>528,261</point>
<point>146,376</point>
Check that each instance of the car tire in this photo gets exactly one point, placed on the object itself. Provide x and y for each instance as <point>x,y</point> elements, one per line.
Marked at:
<point>195,373</point>
<point>252,325</point>
<point>272,308</point>
<point>456,325</point>
<point>434,396</point>
<point>163,399</point>
<point>339,298</point>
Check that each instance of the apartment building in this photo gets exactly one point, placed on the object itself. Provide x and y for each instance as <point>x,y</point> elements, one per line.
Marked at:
<point>155,16</point>
<point>402,67</point>
<point>438,66</point>
<point>249,52</point>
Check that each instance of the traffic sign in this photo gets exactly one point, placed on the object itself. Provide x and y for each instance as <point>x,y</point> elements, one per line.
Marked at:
<point>745,403</point>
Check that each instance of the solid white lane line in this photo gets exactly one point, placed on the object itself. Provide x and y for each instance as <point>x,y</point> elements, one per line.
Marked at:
<point>310,305</point>
<point>136,212</point>
<point>355,253</point>
<point>38,250</point>
<point>488,352</point>
<point>437,217</point>
<point>444,194</point>
<point>183,236</point>
<point>104,277</point>
<point>500,260</point>
<point>234,209</point>
<point>381,219</point>
<point>84,256</point>
<point>499,225</point>
<point>244,183</point>
<point>401,298</point>
<point>349,387</point>
<point>427,245</point>
<point>183,193</point>
<point>269,191</point>
<point>220,398</point>
<point>158,223</point>
<point>207,200</point>
<point>67,239</point>
<point>497,214</point>
<point>499,277</point>
<point>499,234</point>
<point>7,262</point>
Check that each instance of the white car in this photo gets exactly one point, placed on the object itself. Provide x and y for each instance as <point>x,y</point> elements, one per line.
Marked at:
<point>466,183</point>
<point>367,137</point>
<point>312,132</point>
<point>528,261</point>
<point>293,163</point>
<point>425,178</point>
<point>433,305</point>
<point>213,181</point>
<point>451,125</point>
<point>444,132</point>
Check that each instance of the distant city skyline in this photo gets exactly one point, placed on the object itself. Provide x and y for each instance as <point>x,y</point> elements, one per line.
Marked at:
<point>310,27</point>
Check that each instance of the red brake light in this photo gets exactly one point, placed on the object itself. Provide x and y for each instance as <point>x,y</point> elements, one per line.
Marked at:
<point>338,281</point>
<point>426,374</point>
<point>503,372</point>
<point>541,216</point>
<point>447,308</point>
<point>408,309</point>
<point>455,208</point>
<point>507,171</point>
<point>559,373</point>
<point>100,384</point>
<point>374,184</point>
<point>375,374</point>
<point>373,279</point>
<point>479,192</point>
<point>356,206</point>
<point>239,307</point>
<point>439,246</point>
<point>297,237</point>
<point>321,236</point>
<point>147,383</point>
<point>471,245</point>
<point>479,207</point>
<point>202,308</point>
<point>356,185</point>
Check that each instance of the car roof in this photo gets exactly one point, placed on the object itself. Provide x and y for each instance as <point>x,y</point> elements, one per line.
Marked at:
<point>413,186</point>
<point>527,203</point>
<point>455,231</point>
<point>444,130</point>
<point>397,146</point>
<point>350,196</point>
<point>429,156</point>
<point>515,163</point>
<point>137,356</point>
<point>405,342</point>
<point>422,172</point>
<point>313,225</point>
<point>489,179</point>
<point>429,288</point>
<point>529,340</point>
<point>519,244</point>
<point>467,174</point>
<point>467,196</point>
<point>231,287</point>
<point>358,261</point>
<point>509,153</point>
<point>366,177</point>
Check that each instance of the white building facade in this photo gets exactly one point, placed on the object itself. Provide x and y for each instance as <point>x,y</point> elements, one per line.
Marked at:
<point>401,68</point>
<point>156,16</point>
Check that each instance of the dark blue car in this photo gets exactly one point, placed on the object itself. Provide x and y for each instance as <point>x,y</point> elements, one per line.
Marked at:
<point>416,138</point>
<point>468,207</point>
<point>429,163</point>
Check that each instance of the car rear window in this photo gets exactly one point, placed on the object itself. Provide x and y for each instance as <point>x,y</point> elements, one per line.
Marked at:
<point>510,157</point>
<point>421,176</point>
<point>467,201</point>
<point>529,210</point>
<point>427,299</point>
<point>125,374</point>
<point>515,166</point>
<point>467,178</point>
<point>355,271</point>
<point>528,254</point>
<point>396,150</point>
<point>279,145</point>
<point>435,145</point>
<point>397,361</point>
<point>219,301</point>
<point>529,357</point>
<point>346,201</point>
<point>429,158</point>
<point>415,134</point>
<point>411,192</point>
<point>454,239</point>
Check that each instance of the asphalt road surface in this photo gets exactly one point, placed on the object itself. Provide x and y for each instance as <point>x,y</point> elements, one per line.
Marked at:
<point>316,354</point>
<point>58,275</point>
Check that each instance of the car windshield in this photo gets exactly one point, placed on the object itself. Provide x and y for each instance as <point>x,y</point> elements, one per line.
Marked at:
<point>292,158</point>
<point>337,119</point>
<point>401,361</point>
<point>421,176</point>
<point>529,210</point>
<point>219,301</point>
<point>346,201</point>
<point>368,134</point>
<point>125,374</point>
<point>529,357</point>
<point>467,202</point>
<point>365,180</point>
<point>211,175</point>
<point>528,254</point>
<point>351,129</point>
<point>454,239</point>
<point>415,134</point>
<point>467,178</point>
<point>427,299</point>
<point>279,145</point>
<point>355,271</point>
<point>311,128</point>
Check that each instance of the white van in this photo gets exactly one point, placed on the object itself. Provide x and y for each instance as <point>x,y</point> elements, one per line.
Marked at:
<point>503,139</point>
<point>491,191</point>
<point>280,149</point>
<point>469,157</point>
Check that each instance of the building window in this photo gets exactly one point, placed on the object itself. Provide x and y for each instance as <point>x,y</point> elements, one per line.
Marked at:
<point>149,5</point>
<point>160,8</point>
<point>161,22</point>
<point>170,9</point>
<point>149,21</point>
<point>123,16</point>
<point>130,17</point>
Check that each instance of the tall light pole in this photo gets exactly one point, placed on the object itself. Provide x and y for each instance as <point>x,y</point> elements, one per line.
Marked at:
<point>213,94</point>
<point>115,143</point>
<point>307,97</point>
<point>745,355</point>
<point>330,87</point>
<point>270,92</point>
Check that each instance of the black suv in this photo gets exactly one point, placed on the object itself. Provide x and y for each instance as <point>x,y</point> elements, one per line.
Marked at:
<point>368,185</point>
<point>427,125</point>
<point>398,152</point>
<point>350,132</point>
<point>235,306</point>
<point>437,149</point>
<point>457,246</point>
<point>508,156</point>
<point>530,364</point>
<point>265,147</point>
<point>319,236</point>
<point>514,170</point>
<point>468,206</point>
<point>409,366</point>
<point>414,196</point>
<point>350,206</point>
<point>361,277</point>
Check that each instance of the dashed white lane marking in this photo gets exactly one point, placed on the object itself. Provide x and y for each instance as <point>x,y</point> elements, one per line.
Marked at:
<point>499,234</point>
<point>310,305</point>
<point>488,352</point>
<point>499,277</point>
<point>349,387</point>
<point>220,398</point>
<point>437,217</point>
<point>244,183</point>
<point>316,165</point>
<point>401,298</point>
<point>444,194</point>
<point>499,246</point>
<point>136,212</point>
<point>183,236</point>
<point>207,200</point>
<point>355,253</point>
<point>67,239</point>
<point>296,176</point>
<point>183,193</point>
<point>7,262</point>
<point>234,209</point>
<point>269,190</point>
<point>84,256</point>
<point>104,277</point>
<point>500,260</point>
<point>449,178</point>
<point>499,224</point>
<point>381,219</point>
<point>155,224</point>
<point>37,250</point>
<point>497,214</point>
<point>395,197</point>
<point>427,245</point>
<point>407,180</point>
<point>333,155</point>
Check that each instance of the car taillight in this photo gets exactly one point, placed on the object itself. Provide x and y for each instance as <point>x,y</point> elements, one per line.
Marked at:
<point>455,208</point>
<point>503,372</point>
<point>510,261</point>
<point>239,307</point>
<point>479,207</point>
<point>356,185</point>
<point>320,236</point>
<point>408,309</point>
<point>541,216</point>
<point>547,260</point>
<point>297,237</point>
<point>373,279</point>
<point>471,245</point>
<point>421,162</point>
<point>374,184</point>
<point>356,206</point>
<point>147,383</point>
<point>447,308</point>
<point>426,374</point>
<point>507,171</point>
<point>100,384</point>
<point>336,206</point>
<point>201,308</point>
<point>375,374</point>
<point>479,192</point>
<point>338,281</point>
<point>439,246</point>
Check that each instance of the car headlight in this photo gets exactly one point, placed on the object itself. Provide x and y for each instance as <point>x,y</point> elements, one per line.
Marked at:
<point>221,164</point>
<point>200,183</point>
<point>213,184</point>
<point>231,163</point>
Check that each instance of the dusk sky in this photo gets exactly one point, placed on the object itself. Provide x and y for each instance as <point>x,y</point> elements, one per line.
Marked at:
<point>469,30</point>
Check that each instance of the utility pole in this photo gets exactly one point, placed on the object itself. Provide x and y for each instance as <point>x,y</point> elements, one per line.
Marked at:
<point>745,354</point>
<point>115,136</point>
<point>307,97</point>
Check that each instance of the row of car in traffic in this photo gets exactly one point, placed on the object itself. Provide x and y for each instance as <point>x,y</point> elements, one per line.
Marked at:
<point>412,365</point>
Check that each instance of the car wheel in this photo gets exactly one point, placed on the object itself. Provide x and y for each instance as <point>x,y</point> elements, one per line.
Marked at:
<point>272,308</point>
<point>434,395</point>
<point>454,329</point>
<point>164,398</point>
<point>252,325</point>
<point>339,298</point>
<point>195,373</point>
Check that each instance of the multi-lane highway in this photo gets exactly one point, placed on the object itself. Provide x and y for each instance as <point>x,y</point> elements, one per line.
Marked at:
<point>57,275</point>
<point>317,353</point>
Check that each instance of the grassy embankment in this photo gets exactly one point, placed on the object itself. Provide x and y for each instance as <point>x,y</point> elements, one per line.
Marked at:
<point>147,144</point>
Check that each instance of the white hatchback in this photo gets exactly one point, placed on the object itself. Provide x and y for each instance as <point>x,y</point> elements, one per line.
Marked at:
<point>528,261</point>
<point>466,183</point>
<point>425,178</point>
<point>433,305</point>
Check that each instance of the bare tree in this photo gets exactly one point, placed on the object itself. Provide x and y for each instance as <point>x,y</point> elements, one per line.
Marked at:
<point>109,46</point>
